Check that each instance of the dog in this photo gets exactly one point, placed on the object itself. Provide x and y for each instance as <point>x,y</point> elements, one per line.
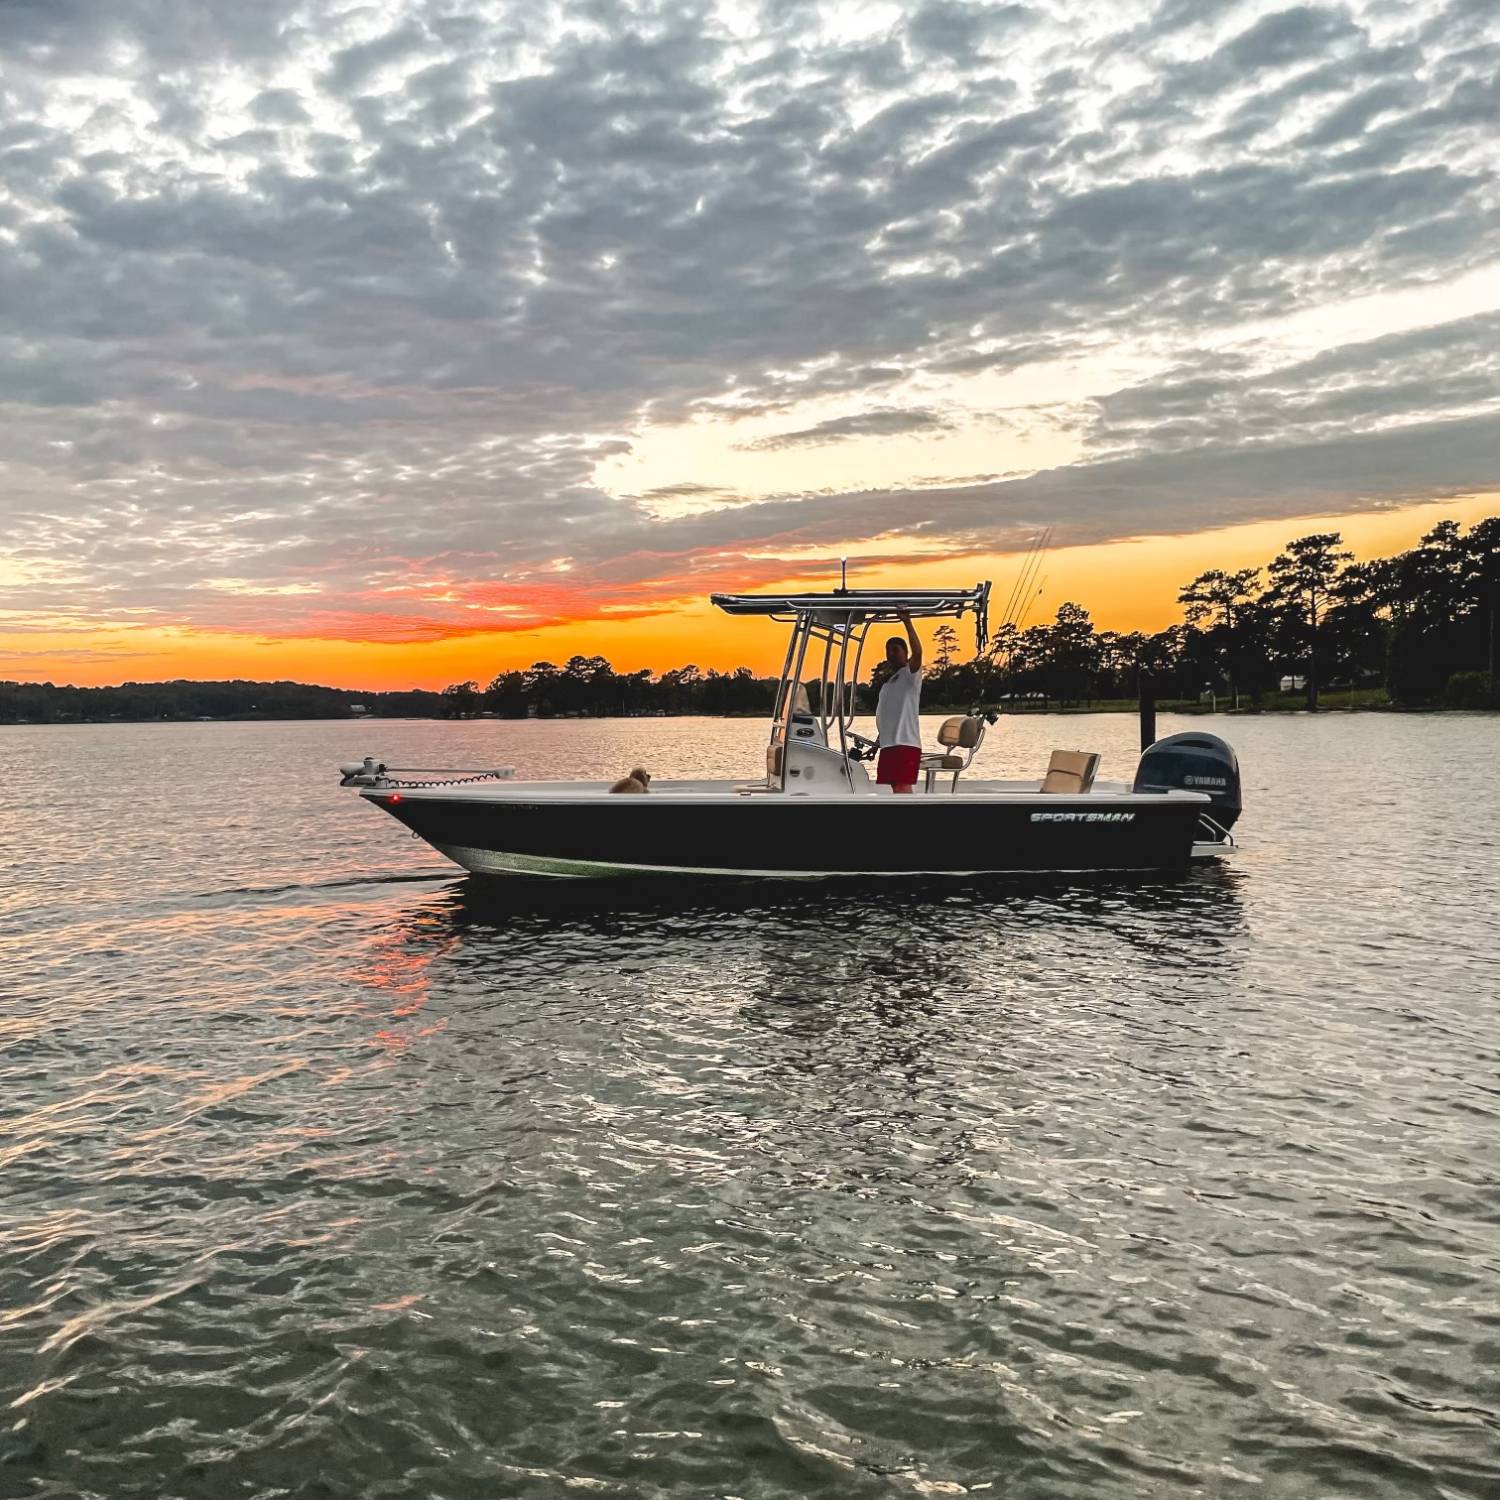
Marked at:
<point>639,780</point>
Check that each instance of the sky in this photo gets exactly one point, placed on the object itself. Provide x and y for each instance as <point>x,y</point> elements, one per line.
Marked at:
<point>388,344</point>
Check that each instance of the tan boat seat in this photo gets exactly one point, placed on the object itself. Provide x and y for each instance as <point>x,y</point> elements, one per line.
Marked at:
<point>961,732</point>
<point>1071,771</point>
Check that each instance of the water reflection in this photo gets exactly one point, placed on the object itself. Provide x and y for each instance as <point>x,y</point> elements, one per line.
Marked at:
<point>854,1190</point>
<point>1210,894</point>
<point>871,1012</point>
<point>813,959</point>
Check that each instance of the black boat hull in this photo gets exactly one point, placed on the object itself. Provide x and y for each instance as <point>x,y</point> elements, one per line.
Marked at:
<point>784,837</point>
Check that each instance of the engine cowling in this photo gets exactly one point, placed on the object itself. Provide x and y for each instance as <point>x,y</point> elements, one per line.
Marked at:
<point>1194,762</point>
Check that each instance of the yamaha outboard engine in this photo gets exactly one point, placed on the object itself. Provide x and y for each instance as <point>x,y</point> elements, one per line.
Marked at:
<point>1194,762</point>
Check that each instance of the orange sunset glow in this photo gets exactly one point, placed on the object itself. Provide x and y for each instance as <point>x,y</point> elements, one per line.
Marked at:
<point>1126,585</point>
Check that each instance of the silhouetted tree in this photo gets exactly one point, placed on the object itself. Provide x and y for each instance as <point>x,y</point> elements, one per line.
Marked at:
<point>461,700</point>
<point>945,639</point>
<point>1303,580</point>
<point>506,695</point>
<point>1215,601</point>
<point>1482,587</point>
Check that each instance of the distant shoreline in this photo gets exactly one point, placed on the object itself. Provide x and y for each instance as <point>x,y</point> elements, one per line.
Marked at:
<point>1192,710</point>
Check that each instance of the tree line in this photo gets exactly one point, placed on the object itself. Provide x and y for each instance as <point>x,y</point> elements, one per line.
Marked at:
<point>1421,627</point>
<point>590,686</point>
<point>44,703</point>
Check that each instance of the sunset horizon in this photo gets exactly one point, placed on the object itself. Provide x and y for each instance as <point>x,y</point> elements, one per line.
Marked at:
<point>1130,584</point>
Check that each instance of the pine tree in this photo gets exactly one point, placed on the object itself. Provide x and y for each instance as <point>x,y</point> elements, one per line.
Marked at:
<point>946,638</point>
<point>1303,580</point>
<point>1219,597</point>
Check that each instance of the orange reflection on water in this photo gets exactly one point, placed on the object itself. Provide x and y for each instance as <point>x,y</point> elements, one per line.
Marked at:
<point>401,1302</point>
<point>400,964</point>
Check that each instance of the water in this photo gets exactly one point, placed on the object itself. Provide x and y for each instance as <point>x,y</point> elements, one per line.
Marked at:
<point>328,1171</point>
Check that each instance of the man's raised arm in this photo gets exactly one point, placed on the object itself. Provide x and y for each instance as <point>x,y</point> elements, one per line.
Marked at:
<point>914,659</point>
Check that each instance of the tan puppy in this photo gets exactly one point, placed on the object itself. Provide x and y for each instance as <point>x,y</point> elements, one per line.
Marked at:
<point>639,780</point>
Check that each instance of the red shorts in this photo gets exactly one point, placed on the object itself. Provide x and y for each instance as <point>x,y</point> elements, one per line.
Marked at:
<point>898,765</point>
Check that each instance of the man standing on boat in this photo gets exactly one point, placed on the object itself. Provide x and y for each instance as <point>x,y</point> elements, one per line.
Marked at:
<point>896,723</point>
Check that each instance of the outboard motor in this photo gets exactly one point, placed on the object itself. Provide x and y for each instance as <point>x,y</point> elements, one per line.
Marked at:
<point>1194,762</point>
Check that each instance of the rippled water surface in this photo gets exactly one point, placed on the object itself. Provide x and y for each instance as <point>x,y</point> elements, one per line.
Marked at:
<point>328,1171</point>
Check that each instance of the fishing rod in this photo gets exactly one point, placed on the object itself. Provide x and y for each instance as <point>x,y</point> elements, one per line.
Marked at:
<point>1025,591</point>
<point>1030,564</point>
<point>1026,613</point>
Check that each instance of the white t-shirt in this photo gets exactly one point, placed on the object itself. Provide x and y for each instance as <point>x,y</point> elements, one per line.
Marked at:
<point>896,721</point>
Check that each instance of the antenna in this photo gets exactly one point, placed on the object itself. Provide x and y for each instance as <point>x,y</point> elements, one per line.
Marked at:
<point>843,575</point>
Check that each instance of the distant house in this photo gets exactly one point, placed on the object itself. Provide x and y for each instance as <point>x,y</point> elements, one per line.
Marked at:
<point>1293,684</point>
<point>357,709</point>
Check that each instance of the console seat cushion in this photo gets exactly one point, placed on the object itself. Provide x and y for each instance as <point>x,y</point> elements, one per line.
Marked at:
<point>934,762</point>
<point>1071,771</point>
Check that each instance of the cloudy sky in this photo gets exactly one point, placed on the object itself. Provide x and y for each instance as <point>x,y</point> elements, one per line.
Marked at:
<point>376,326</point>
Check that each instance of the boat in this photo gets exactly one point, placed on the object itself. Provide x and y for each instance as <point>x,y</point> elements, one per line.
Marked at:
<point>815,811</point>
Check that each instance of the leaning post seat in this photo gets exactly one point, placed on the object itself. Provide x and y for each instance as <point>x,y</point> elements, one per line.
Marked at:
<point>1071,771</point>
<point>962,732</point>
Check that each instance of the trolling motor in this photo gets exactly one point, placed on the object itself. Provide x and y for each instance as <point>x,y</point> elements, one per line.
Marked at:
<point>367,772</point>
<point>372,772</point>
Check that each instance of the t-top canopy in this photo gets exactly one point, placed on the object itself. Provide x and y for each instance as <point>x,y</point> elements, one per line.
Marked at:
<point>867,605</point>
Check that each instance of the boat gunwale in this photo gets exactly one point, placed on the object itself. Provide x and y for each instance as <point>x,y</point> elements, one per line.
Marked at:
<point>570,793</point>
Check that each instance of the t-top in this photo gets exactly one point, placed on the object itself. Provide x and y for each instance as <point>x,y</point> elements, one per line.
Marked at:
<point>896,720</point>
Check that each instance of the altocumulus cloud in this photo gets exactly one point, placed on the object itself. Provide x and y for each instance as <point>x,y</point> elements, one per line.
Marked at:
<point>351,306</point>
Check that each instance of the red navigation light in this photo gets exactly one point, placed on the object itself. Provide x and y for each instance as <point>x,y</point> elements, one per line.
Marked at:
<point>393,799</point>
